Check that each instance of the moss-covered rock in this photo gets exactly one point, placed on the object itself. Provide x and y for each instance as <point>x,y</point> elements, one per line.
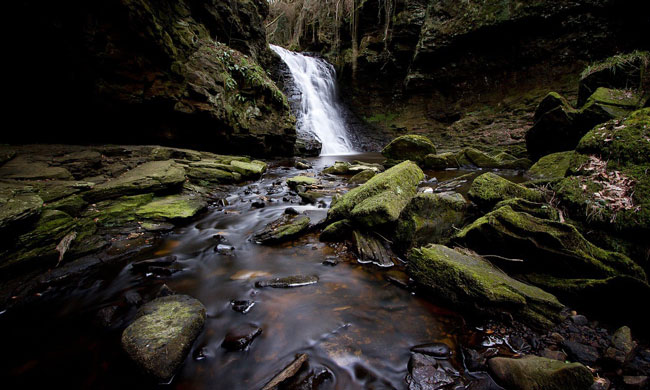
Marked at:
<point>283,229</point>
<point>306,181</point>
<point>622,71</point>
<point>249,170</point>
<point>489,189</point>
<point>162,334</point>
<point>172,207</point>
<point>116,212</point>
<point>337,231</point>
<point>441,161</point>
<point>538,373</point>
<point>212,174</point>
<point>153,176</point>
<point>543,246</point>
<point>362,177</point>
<point>473,283</point>
<point>339,168</point>
<point>72,205</point>
<point>381,199</point>
<point>409,147</point>
<point>430,218</point>
<point>17,204</point>
<point>539,210</point>
<point>551,167</point>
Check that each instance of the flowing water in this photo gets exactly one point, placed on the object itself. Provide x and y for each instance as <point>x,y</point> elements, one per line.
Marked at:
<point>354,323</point>
<point>320,112</point>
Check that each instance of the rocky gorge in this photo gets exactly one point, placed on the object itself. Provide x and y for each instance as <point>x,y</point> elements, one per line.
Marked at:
<point>167,220</point>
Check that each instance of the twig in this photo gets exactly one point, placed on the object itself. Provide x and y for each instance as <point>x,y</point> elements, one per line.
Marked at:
<point>505,258</point>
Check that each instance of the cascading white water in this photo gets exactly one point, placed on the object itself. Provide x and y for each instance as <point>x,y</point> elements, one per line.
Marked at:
<point>320,113</point>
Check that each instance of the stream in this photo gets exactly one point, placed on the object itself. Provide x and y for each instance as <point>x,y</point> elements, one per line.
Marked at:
<point>356,324</point>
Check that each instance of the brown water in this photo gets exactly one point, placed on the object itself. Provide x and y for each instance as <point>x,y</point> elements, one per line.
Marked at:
<point>354,322</point>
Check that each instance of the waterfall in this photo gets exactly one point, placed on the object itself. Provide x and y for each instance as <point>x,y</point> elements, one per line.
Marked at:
<point>320,113</point>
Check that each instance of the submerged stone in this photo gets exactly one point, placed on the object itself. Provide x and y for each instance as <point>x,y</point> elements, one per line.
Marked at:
<point>538,373</point>
<point>489,189</point>
<point>381,199</point>
<point>240,338</point>
<point>288,281</point>
<point>473,283</point>
<point>162,334</point>
<point>409,147</point>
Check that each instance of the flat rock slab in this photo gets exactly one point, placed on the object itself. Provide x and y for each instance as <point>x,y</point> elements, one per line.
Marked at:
<point>162,334</point>
<point>241,337</point>
<point>153,176</point>
<point>289,281</point>
<point>172,207</point>
<point>538,373</point>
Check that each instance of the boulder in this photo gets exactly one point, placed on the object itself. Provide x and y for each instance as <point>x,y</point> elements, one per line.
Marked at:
<point>409,147</point>
<point>538,373</point>
<point>471,282</point>
<point>154,176</point>
<point>553,166</point>
<point>381,199</point>
<point>441,161</point>
<point>543,246</point>
<point>162,334</point>
<point>622,345</point>
<point>339,168</point>
<point>285,228</point>
<point>337,231</point>
<point>172,207</point>
<point>489,189</point>
<point>430,219</point>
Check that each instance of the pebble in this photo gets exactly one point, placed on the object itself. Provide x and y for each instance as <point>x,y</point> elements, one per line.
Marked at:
<point>240,338</point>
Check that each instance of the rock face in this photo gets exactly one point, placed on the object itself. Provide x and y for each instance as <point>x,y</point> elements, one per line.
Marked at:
<point>471,282</point>
<point>154,72</point>
<point>538,373</point>
<point>381,199</point>
<point>163,333</point>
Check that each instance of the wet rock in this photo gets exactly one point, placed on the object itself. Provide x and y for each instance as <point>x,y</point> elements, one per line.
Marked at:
<point>483,382</point>
<point>430,219</point>
<point>162,334</point>
<point>585,354</point>
<point>437,350</point>
<point>22,168</point>
<point>258,204</point>
<point>339,168</point>
<point>331,261</point>
<point>425,373</point>
<point>225,249</point>
<point>291,211</point>
<point>302,165</point>
<point>282,229</point>
<point>469,281</point>
<point>474,360</point>
<point>490,189</point>
<point>337,231</point>
<point>579,320</point>
<point>145,265</point>
<point>288,372</point>
<point>371,250</point>
<point>133,298</point>
<point>105,316</point>
<point>622,345</point>
<point>538,373</point>
<point>242,306</point>
<point>381,199</point>
<point>305,181</point>
<point>164,291</point>
<point>310,196</point>
<point>600,384</point>
<point>249,169</point>
<point>240,338</point>
<point>287,282</point>
<point>409,147</point>
<point>154,176</point>
<point>551,167</point>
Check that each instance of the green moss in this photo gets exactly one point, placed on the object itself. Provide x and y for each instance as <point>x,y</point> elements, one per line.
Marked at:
<point>617,61</point>
<point>339,168</point>
<point>337,231</point>
<point>551,167</point>
<point>539,210</point>
<point>362,177</point>
<point>253,169</point>
<point>72,205</point>
<point>471,282</point>
<point>172,207</point>
<point>380,199</point>
<point>489,189</point>
<point>212,175</point>
<point>545,246</point>
<point>409,147</point>
<point>117,212</point>
<point>294,182</point>
<point>441,161</point>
